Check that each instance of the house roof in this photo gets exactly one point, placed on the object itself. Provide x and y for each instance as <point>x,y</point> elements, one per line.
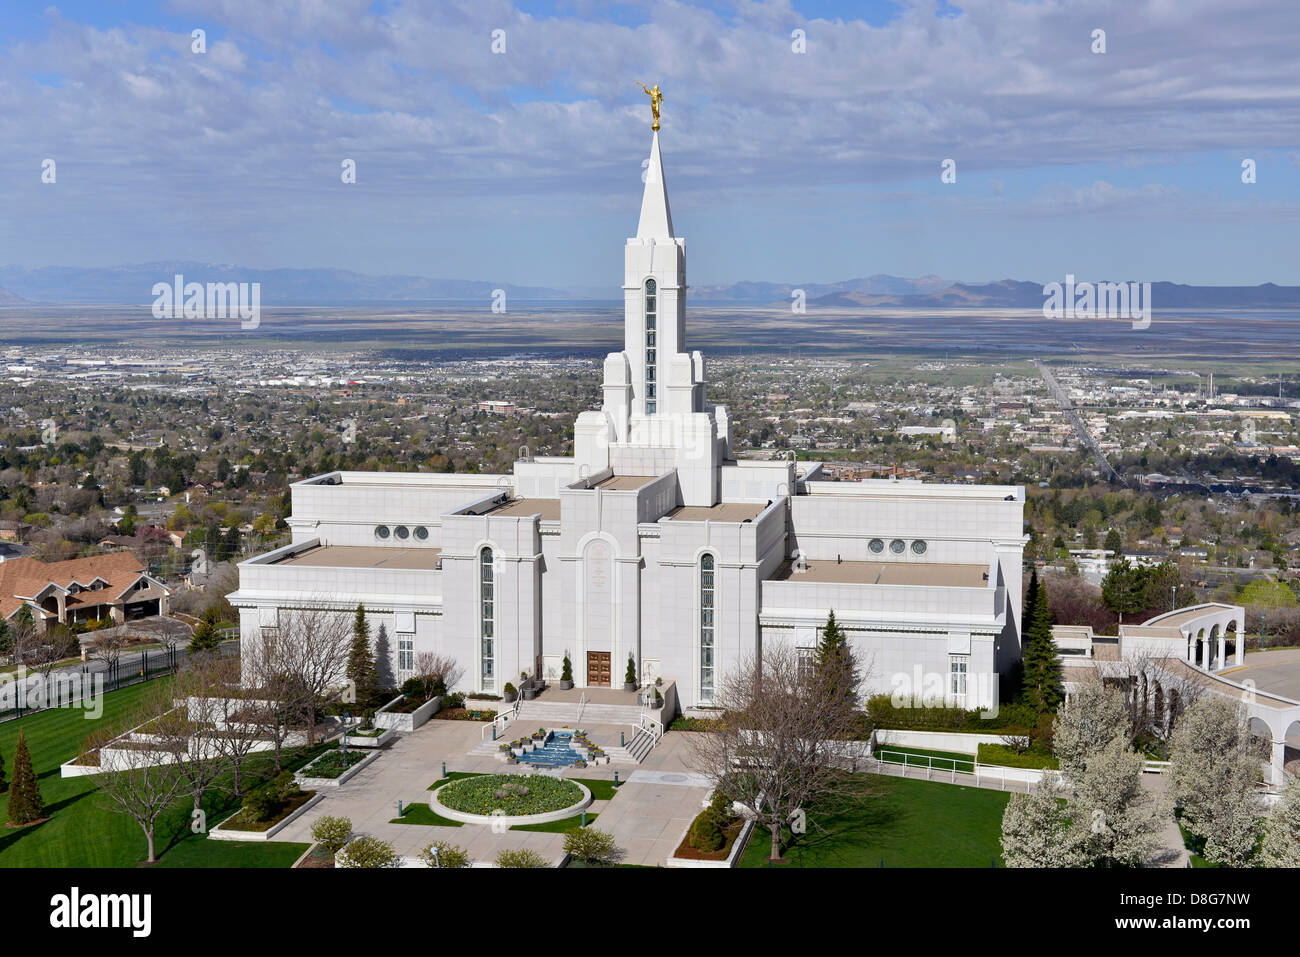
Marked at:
<point>22,578</point>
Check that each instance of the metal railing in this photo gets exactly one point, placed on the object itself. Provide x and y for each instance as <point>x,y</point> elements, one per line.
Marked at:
<point>582,703</point>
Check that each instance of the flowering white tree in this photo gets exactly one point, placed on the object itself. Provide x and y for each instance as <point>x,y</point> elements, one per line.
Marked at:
<point>1212,777</point>
<point>1094,715</point>
<point>1037,831</point>
<point>1282,832</point>
<point>1121,818</point>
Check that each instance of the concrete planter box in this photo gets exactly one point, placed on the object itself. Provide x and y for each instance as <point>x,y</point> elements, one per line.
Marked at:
<point>309,783</point>
<point>364,741</point>
<point>729,861</point>
<point>68,769</point>
<point>408,721</point>
<point>219,833</point>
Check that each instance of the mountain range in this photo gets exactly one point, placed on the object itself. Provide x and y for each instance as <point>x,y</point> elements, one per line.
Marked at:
<point>133,285</point>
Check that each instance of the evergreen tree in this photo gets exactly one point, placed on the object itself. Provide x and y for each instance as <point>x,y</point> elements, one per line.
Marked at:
<point>25,804</point>
<point>6,639</point>
<point>1041,688</point>
<point>205,638</point>
<point>834,660</point>
<point>1114,544</point>
<point>361,664</point>
<point>1124,588</point>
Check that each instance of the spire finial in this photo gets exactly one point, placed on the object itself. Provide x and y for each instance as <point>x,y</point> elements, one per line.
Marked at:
<point>655,99</point>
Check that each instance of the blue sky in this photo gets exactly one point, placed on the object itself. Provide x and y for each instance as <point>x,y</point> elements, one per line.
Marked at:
<point>524,166</point>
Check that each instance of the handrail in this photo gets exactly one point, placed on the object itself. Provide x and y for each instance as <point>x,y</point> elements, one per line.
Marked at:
<point>507,716</point>
<point>582,703</point>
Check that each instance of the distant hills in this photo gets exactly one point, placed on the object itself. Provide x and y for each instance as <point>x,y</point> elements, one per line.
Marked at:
<point>133,284</point>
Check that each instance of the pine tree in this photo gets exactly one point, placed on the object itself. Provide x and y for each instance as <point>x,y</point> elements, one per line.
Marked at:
<point>1041,689</point>
<point>25,804</point>
<point>834,661</point>
<point>361,664</point>
<point>205,638</point>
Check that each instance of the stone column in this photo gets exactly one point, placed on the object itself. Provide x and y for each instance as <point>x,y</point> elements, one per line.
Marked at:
<point>1279,761</point>
<point>1241,642</point>
<point>1223,650</point>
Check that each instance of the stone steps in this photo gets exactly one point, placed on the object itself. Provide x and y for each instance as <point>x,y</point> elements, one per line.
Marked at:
<point>536,713</point>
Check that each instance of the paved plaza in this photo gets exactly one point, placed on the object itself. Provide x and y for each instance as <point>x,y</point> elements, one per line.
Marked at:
<point>647,816</point>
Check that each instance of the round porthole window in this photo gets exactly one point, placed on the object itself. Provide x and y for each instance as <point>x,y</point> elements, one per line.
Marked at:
<point>421,533</point>
<point>402,532</point>
<point>381,531</point>
<point>898,546</point>
<point>918,547</point>
<point>877,545</point>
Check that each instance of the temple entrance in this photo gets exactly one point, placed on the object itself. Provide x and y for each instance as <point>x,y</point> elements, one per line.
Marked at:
<point>598,672</point>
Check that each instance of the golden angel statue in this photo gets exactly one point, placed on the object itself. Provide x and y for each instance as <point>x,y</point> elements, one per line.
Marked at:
<point>655,99</point>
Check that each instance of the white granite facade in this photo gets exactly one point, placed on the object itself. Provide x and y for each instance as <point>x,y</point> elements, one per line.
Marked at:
<point>653,542</point>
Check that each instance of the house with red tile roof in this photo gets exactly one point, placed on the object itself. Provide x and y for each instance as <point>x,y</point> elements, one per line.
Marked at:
<point>115,586</point>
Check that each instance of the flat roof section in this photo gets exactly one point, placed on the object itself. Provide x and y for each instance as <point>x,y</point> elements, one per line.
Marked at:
<point>548,509</point>
<point>625,483</point>
<point>735,512</point>
<point>887,573</point>
<point>366,556</point>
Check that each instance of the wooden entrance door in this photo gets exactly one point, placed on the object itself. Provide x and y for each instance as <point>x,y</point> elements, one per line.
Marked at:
<point>598,669</point>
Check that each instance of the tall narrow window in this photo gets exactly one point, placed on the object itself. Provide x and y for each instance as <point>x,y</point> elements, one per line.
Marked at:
<point>957,679</point>
<point>651,312</point>
<point>487,618</point>
<point>706,627</point>
<point>406,654</point>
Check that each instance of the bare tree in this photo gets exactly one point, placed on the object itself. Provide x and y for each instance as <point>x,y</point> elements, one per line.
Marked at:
<point>308,659</point>
<point>780,746</point>
<point>143,781</point>
<point>434,669</point>
<point>234,735</point>
<point>189,731</point>
<point>108,647</point>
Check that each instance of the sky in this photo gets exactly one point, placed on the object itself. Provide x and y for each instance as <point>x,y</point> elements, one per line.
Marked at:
<point>803,140</point>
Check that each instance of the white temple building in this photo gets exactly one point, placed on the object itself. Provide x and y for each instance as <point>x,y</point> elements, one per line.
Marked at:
<point>653,541</point>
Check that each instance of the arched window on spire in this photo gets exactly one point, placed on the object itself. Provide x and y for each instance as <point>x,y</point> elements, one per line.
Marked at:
<point>487,620</point>
<point>707,633</point>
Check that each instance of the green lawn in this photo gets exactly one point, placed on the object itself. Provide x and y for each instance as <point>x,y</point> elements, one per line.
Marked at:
<point>1001,755</point>
<point>423,814</point>
<point>82,831</point>
<point>940,760</point>
<point>904,823</point>
<point>453,776</point>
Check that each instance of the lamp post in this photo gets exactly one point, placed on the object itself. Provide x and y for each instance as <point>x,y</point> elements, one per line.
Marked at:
<point>347,715</point>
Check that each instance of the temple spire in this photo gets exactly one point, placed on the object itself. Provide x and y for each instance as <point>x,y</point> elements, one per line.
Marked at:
<point>656,218</point>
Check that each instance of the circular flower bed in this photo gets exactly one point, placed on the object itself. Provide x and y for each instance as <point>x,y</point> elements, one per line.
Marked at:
<point>514,795</point>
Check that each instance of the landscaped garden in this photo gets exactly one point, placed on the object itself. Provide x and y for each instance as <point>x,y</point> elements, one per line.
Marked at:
<point>81,829</point>
<point>512,794</point>
<point>904,823</point>
<point>333,763</point>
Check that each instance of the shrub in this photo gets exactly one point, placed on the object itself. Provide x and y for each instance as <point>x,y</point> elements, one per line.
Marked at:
<point>566,672</point>
<point>509,689</point>
<point>630,677</point>
<point>444,854</point>
<point>521,858</point>
<point>706,835</point>
<point>332,833</point>
<point>589,844</point>
<point>368,852</point>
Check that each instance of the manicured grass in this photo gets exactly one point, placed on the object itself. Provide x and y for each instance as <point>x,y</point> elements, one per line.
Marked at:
<point>1003,756</point>
<point>557,827</point>
<point>903,823</point>
<point>940,760</point>
<point>83,831</point>
<point>423,814</point>
<point>600,790</point>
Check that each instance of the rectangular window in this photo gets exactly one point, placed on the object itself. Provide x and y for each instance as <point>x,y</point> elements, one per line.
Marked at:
<point>957,678</point>
<point>405,655</point>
